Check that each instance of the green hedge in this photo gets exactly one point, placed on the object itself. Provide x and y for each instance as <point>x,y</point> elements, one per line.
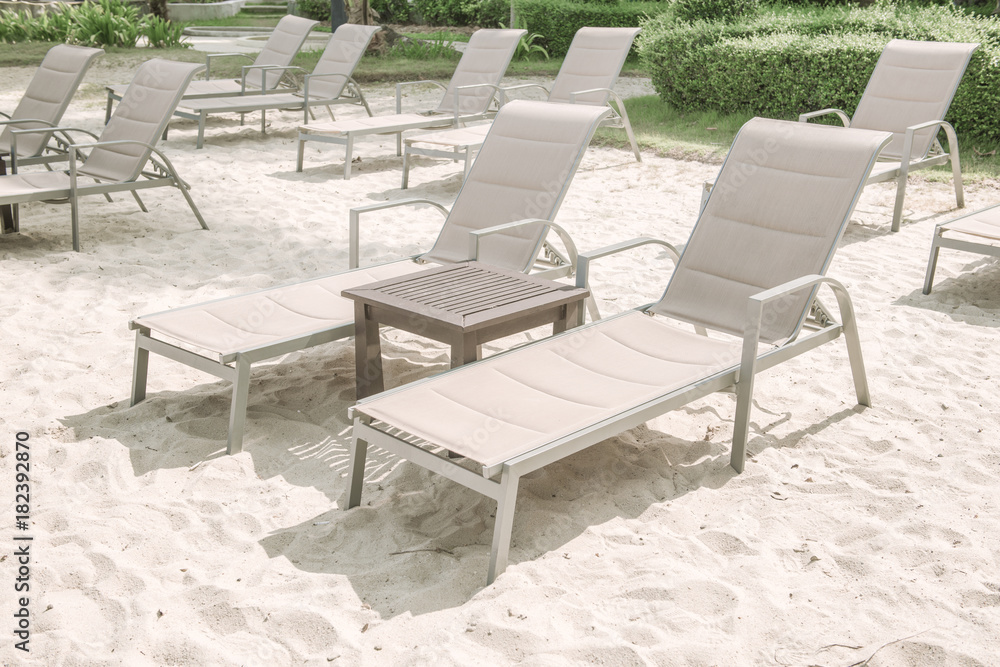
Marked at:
<point>558,20</point>
<point>782,65</point>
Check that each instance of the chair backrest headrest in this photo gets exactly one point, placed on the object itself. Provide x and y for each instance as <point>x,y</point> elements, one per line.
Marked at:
<point>523,170</point>
<point>340,57</point>
<point>286,40</point>
<point>142,115</point>
<point>913,82</point>
<point>48,94</point>
<point>594,60</point>
<point>485,60</point>
<point>781,202</point>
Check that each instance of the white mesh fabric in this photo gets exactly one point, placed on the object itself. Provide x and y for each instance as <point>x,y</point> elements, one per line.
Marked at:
<point>484,61</point>
<point>524,168</point>
<point>913,82</point>
<point>594,60</point>
<point>778,208</point>
<point>48,94</point>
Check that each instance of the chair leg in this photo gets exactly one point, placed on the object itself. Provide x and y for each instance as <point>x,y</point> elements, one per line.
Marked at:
<point>201,130</point>
<point>631,135</point>
<point>468,162</point>
<point>897,211</point>
<point>399,144</point>
<point>356,470</point>
<point>238,410</point>
<point>854,356</point>
<point>406,168</point>
<point>138,201</point>
<point>75,221</point>
<point>956,173</point>
<point>504,526</point>
<point>107,108</point>
<point>301,151</point>
<point>350,156</point>
<point>932,261</point>
<point>263,121</point>
<point>140,368</point>
<point>184,188</point>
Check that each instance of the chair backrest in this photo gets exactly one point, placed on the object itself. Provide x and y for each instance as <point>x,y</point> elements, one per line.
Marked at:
<point>781,202</point>
<point>339,59</point>
<point>286,40</point>
<point>48,94</point>
<point>523,170</point>
<point>594,60</point>
<point>485,60</point>
<point>913,82</point>
<point>142,115</point>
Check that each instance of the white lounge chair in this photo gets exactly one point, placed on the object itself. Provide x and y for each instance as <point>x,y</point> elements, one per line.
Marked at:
<point>977,232</point>
<point>266,72</point>
<point>330,83</point>
<point>749,271</point>
<point>909,94</point>
<point>545,142</point>
<point>42,105</point>
<point>119,157</point>
<point>586,76</point>
<point>467,97</point>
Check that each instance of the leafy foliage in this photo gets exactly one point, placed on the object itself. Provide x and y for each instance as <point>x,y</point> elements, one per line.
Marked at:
<point>780,65</point>
<point>714,10</point>
<point>100,23</point>
<point>558,20</point>
<point>391,11</point>
<point>317,10</point>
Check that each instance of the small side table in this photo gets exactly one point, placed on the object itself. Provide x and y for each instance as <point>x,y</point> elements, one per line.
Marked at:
<point>464,305</point>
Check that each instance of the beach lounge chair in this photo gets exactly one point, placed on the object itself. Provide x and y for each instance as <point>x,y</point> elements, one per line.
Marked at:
<point>586,76</point>
<point>466,98</point>
<point>224,338</point>
<point>326,86</point>
<point>909,94</point>
<point>42,105</point>
<point>266,72</point>
<point>749,271</point>
<point>977,232</point>
<point>118,158</point>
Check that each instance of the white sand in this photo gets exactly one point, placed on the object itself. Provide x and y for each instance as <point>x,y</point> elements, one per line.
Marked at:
<point>850,528</point>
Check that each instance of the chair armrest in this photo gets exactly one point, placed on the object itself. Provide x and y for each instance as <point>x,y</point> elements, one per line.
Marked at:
<point>36,130</point>
<point>522,86</point>
<point>583,267</point>
<point>949,132</point>
<point>332,75</point>
<point>399,90</point>
<point>209,56</point>
<point>844,118</point>
<point>355,219</point>
<point>476,234</point>
<point>460,89</point>
<point>15,121</point>
<point>265,69</point>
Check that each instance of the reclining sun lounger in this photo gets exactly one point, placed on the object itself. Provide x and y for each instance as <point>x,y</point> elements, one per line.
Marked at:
<point>326,86</point>
<point>224,338</point>
<point>977,232</point>
<point>266,72</point>
<point>119,156</point>
<point>467,97</point>
<point>749,271</point>
<point>587,76</point>
<point>42,105</point>
<point>909,94</point>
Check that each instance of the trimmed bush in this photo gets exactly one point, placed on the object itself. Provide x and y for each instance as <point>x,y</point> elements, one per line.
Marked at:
<point>558,20</point>
<point>783,65</point>
<point>317,10</point>
<point>714,10</point>
<point>389,11</point>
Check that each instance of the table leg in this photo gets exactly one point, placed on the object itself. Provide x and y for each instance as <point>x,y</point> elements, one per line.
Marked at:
<point>571,313</point>
<point>464,349</point>
<point>367,353</point>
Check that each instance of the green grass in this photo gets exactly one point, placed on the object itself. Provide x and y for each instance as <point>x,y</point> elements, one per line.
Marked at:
<point>445,35</point>
<point>702,136</point>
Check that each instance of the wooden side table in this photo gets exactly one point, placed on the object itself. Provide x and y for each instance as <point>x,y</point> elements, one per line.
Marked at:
<point>464,305</point>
